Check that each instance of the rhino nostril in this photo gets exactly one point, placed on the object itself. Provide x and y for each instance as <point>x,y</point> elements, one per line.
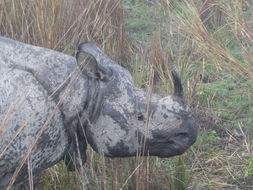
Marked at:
<point>182,134</point>
<point>140,117</point>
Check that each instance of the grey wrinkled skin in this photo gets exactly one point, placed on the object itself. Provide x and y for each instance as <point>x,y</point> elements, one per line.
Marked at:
<point>75,101</point>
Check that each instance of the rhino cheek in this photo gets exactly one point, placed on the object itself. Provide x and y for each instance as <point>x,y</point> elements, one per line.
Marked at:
<point>106,133</point>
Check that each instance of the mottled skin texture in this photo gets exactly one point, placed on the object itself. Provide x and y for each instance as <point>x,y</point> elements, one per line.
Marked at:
<point>75,101</point>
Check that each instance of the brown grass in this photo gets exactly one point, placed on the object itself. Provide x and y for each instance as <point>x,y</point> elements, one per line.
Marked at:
<point>196,32</point>
<point>62,25</point>
<point>190,23</point>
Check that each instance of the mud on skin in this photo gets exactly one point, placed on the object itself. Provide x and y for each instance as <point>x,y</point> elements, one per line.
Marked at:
<point>78,100</point>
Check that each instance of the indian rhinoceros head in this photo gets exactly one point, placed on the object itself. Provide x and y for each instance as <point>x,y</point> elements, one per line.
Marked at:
<point>122,120</point>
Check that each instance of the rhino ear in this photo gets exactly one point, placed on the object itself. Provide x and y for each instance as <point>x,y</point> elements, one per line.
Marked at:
<point>88,59</point>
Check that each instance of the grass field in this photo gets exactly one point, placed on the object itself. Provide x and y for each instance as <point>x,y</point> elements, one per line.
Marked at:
<point>209,43</point>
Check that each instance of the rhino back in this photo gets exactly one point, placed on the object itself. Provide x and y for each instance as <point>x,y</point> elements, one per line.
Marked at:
<point>51,68</point>
<point>25,109</point>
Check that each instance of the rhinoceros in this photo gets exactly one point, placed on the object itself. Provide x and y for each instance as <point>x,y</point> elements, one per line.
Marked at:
<point>52,105</point>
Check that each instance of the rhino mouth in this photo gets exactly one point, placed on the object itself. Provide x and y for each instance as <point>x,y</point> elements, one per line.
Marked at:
<point>167,147</point>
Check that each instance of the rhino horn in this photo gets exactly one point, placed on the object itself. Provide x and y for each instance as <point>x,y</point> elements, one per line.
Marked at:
<point>178,89</point>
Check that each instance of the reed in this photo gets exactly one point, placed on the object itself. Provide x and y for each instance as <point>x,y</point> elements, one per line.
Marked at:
<point>208,41</point>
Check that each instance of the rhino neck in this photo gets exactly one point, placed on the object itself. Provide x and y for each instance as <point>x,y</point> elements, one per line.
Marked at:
<point>80,101</point>
<point>94,99</point>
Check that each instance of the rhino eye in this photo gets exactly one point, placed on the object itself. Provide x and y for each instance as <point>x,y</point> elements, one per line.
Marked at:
<point>140,117</point>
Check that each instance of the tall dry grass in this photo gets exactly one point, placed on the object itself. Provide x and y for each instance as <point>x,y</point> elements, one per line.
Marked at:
<point>62,24</point>
<point>192,21</point>
<point>193,37</point>
<point>217,38</point>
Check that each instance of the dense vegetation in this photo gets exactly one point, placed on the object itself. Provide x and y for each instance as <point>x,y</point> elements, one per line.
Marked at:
<point>209,42</point>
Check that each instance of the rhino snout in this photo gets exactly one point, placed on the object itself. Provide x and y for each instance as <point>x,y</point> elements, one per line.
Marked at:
<point>185,136</point>
<point>172,143</point>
